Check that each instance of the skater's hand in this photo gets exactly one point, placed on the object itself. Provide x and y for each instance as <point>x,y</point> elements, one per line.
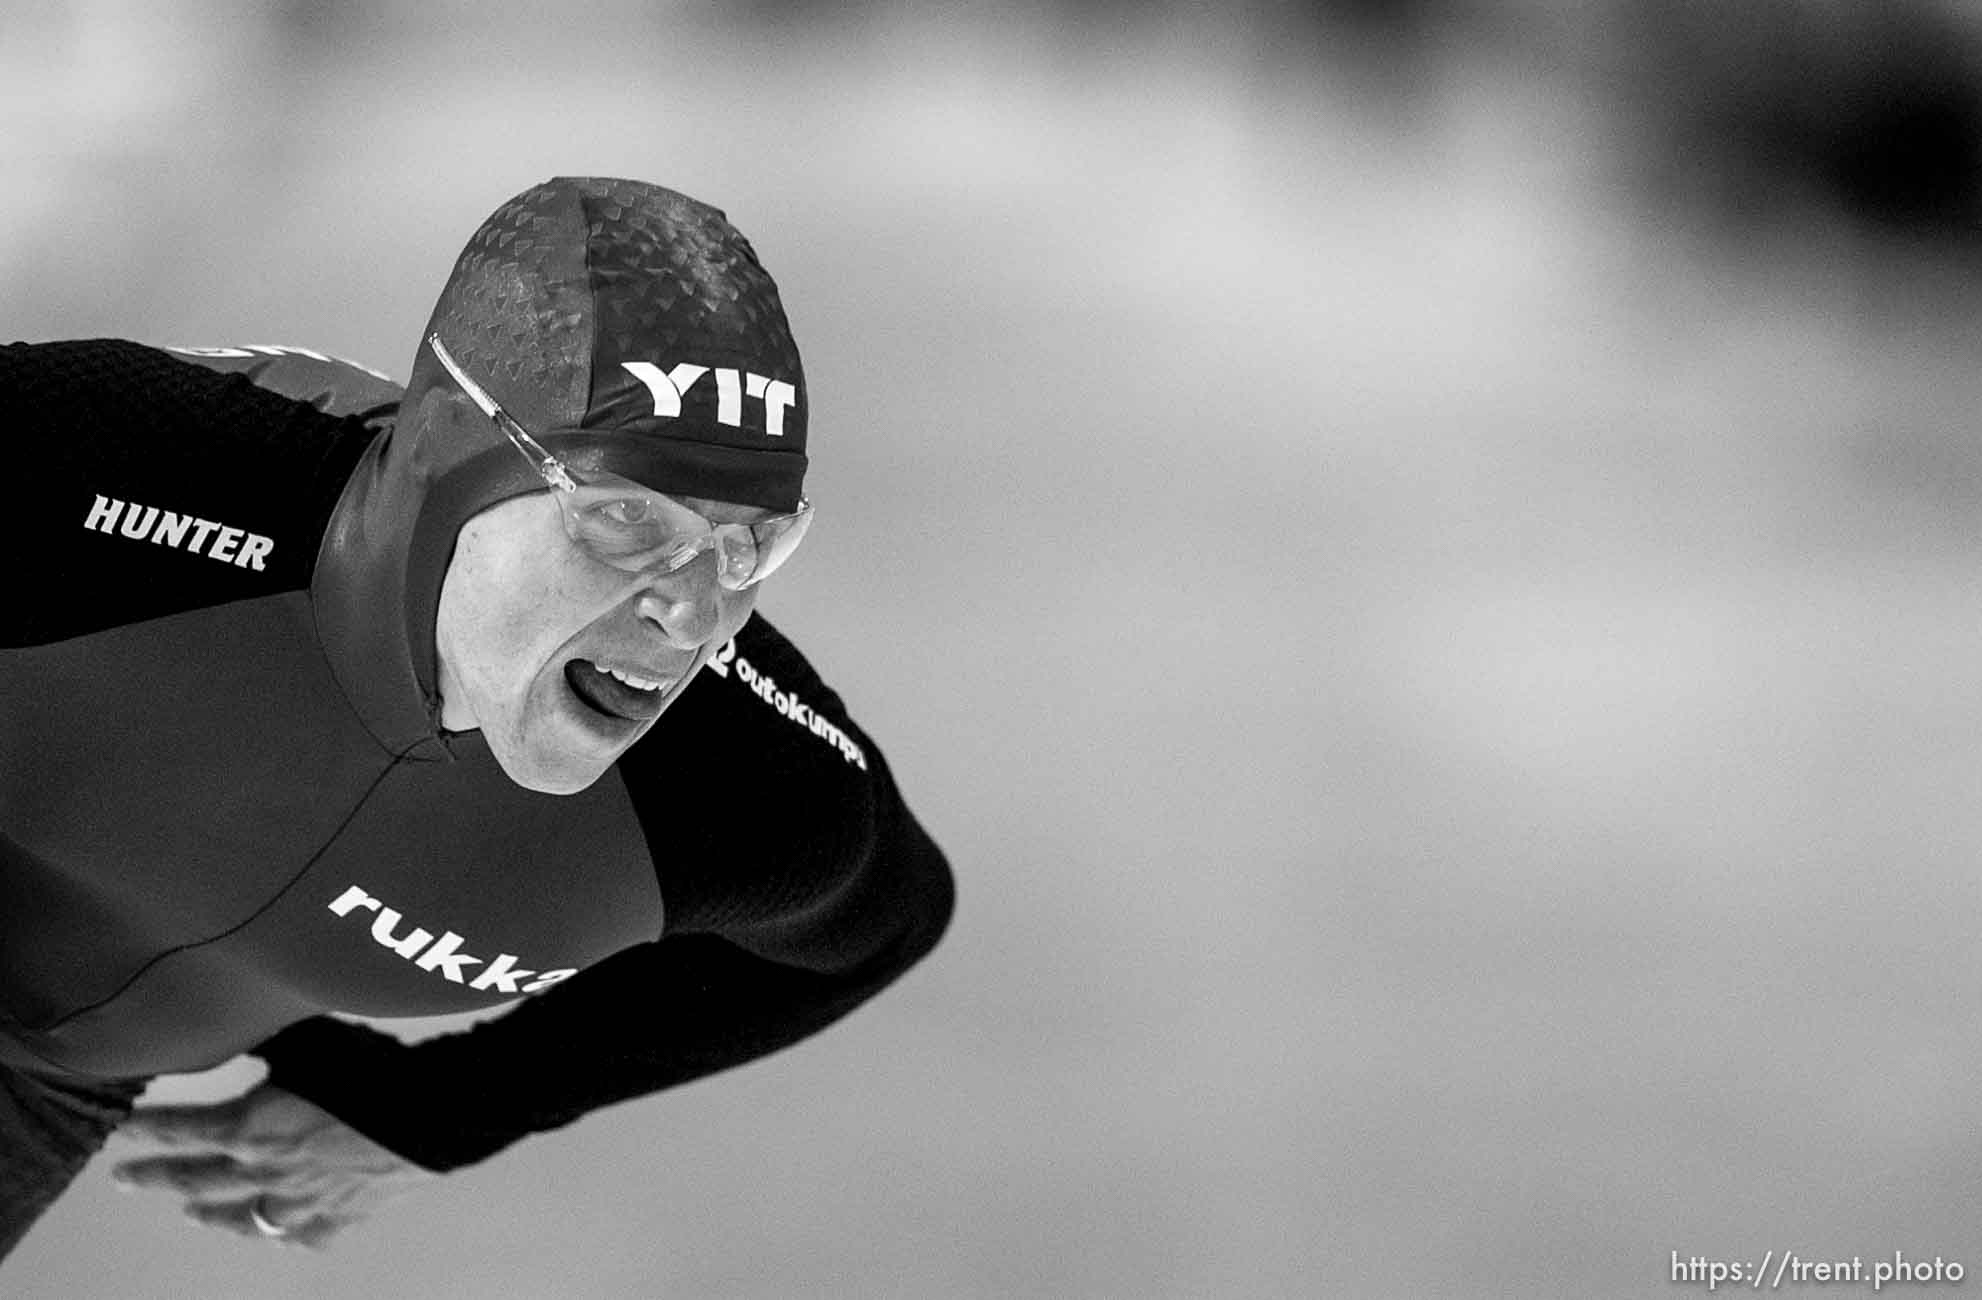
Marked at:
<point>267,1152</point>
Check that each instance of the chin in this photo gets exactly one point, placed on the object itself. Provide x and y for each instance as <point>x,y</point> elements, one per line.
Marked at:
<point>561,774</point>
<point>543,784</point>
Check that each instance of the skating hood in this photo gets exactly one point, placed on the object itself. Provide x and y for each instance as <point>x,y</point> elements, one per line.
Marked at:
<point>631,329</point>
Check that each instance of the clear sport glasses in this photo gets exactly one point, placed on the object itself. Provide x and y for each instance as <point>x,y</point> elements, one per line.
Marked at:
<point>634,528</point>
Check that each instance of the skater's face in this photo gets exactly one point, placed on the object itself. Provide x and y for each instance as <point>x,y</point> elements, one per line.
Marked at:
<point>561,661</point>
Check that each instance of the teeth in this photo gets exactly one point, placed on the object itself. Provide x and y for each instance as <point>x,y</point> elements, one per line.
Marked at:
<point>637,683</point>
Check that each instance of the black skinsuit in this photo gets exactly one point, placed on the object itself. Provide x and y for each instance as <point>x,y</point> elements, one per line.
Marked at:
<point>227,807</point>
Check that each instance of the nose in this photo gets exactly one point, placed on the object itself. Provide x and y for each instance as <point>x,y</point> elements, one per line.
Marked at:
<point>684,606</point>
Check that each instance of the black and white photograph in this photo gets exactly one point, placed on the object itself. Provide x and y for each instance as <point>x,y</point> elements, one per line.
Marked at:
<point>1069,651</point>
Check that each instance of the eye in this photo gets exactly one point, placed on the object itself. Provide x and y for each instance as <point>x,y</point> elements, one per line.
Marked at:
<point>620,525</point>
<point>626,511</point>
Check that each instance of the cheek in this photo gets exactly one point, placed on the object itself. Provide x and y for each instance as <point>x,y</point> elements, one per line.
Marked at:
<point>509,614</point>
<point>736,611</point>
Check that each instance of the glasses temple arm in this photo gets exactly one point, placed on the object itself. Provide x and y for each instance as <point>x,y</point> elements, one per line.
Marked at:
<point>548,465</point>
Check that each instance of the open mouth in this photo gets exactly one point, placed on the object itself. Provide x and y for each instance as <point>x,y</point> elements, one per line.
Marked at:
<point>616,694</point>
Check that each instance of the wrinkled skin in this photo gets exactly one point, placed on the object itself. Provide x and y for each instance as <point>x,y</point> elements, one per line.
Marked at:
<point>310,1174</point>
<point>520,601</point>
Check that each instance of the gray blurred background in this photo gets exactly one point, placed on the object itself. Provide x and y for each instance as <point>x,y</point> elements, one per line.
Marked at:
<point>1422,557</point>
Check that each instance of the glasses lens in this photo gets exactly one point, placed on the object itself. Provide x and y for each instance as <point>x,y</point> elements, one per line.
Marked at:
<point>636,529</point>
<point>736,556</point>
<point>774,540</point>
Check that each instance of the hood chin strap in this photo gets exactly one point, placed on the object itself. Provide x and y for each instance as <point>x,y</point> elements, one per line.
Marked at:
<point>358,590</point>
<point>376,588</point>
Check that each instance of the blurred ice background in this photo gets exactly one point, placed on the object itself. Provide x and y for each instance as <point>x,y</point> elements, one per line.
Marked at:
<point>1421,556</point>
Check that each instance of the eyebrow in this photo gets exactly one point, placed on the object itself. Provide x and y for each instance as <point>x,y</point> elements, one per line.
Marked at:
<point>753,514</point>
<point>707,507</point>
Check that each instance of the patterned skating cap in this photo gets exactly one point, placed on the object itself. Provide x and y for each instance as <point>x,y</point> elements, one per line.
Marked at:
<point>633,329</point>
